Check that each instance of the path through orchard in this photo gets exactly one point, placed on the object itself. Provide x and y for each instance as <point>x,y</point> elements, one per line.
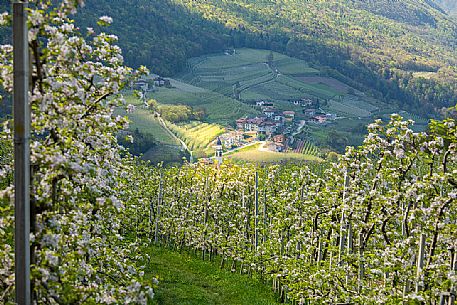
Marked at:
<point>187,279</point>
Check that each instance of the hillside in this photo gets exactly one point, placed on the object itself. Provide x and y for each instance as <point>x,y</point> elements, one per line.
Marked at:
<point>218,83</point>
<point>404,50</point>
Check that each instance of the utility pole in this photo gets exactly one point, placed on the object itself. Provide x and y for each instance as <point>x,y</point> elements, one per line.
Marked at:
<point>21,114</point>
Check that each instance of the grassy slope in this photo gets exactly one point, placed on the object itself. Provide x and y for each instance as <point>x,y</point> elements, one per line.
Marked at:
<point>144,120</point>
<point>256,80</point>
<point>271,157</point>
<point>168,149</point>
<point>184,279</point>
<point>253,154</point>
<point>218,108</point>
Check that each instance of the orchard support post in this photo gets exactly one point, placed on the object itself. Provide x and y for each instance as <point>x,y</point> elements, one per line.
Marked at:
<point>420,261</point>
<point>361,265</point>
<point>256,211</point>
<point>159,203</point>
<point>21,114</point>
<point>343,224</point>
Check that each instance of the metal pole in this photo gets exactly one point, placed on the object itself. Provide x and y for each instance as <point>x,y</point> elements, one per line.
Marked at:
<point>256,211</point>
<point>159,203</point>
<point>420,261</point>
<point>21,154</point>
<point>343,225</point>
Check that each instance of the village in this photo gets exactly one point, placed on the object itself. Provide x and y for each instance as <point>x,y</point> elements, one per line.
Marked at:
<point>275,128</point>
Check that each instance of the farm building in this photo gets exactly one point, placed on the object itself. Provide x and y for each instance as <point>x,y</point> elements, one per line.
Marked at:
<point>305,102</point>
<point>289,115</point>
<point>162,82</point>
<point>320,119</point>
<point>331,116</point>
<point>140,85</point>
<point>278,117</point>
<point>310,112</point>
<point>240,123</point>
<point>232,138</point>
<point>279,142</point>
<point>267,128</point>
<point>253,124</point>
<point>270,112</point>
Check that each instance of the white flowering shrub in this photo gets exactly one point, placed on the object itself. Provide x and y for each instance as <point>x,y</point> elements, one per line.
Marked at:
<point>80,253</point>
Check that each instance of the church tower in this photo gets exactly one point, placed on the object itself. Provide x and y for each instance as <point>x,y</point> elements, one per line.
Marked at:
<point>218,149</point>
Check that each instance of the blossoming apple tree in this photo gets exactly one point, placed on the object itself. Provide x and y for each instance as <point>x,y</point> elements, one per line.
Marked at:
<point>378,227</point>
<point>79,252</point>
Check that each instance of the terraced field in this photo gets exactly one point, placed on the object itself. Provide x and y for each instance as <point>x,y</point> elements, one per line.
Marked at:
<point>348,109</point>
<point>250,75</point>
<point>198,136</point>
<point>218,108</point>
<point>307,148</point>
<point>293,66</point>
<point>226,86</point>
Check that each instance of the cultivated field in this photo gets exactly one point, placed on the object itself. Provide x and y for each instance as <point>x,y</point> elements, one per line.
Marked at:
<point>145,121</point>
<point>198,136</point>
<point>348,107</point>
<point>226,86</point>
<point>251,75</point>
<point>306,148</point>
<point>331,82</point>
<point>293,66</point>
<point>218,108</point>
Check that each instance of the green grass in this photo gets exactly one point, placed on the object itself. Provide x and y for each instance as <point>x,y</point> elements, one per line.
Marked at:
<point>187,280</point>
<point>271,157</point>
<point>349,110</point>
<point>294,66</point>
<point>242,57</point>
<point>218,108</point>
<point>145,121</point>
<point>418,120</point>
<point>244,149</point>
<point>355,101</point>
<point>168,154</point>
<point>320,90</point>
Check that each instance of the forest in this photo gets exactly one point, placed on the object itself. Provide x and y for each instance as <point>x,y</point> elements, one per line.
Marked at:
<point>401,51</point>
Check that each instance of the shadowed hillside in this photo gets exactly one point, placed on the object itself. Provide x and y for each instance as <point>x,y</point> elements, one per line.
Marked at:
<point>402,49</point>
